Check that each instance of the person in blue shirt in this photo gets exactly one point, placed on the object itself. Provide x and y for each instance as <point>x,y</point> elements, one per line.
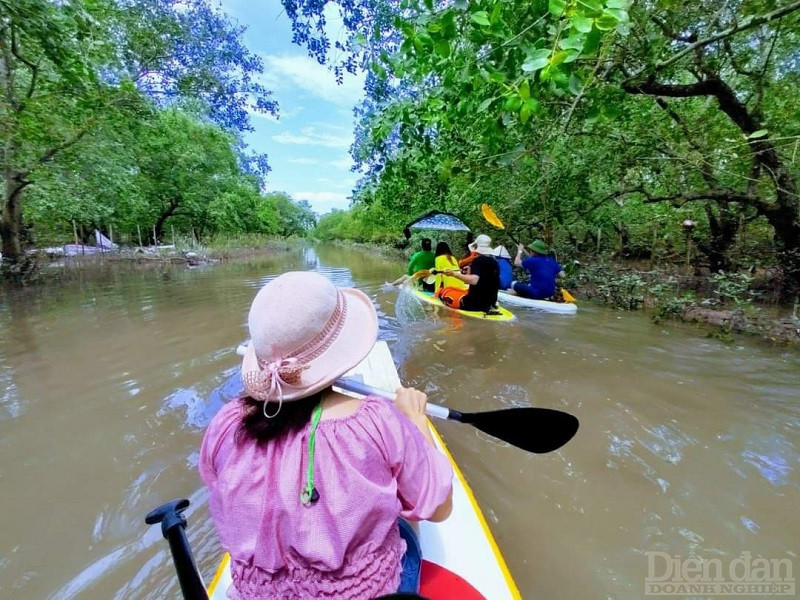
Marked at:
<point>504,263</point>
<point>543,270</point>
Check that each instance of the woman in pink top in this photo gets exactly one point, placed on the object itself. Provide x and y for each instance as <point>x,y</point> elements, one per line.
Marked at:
<point>307,484</point>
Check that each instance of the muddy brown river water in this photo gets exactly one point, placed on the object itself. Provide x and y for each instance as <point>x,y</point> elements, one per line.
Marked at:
<point>687,447</point>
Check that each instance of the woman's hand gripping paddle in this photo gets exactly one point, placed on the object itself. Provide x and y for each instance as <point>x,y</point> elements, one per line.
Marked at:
<point>537,430</point>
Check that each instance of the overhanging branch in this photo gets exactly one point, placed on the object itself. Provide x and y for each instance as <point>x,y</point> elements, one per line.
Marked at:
<point>747,23</point>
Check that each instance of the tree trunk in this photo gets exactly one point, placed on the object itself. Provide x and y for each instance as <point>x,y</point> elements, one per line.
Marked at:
<point>16,265</point>
<point>159,227</point>
<point>723,228</point>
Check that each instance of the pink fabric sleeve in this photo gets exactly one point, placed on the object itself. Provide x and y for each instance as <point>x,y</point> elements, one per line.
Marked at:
<point>424,475</point>
<point>218,440</point>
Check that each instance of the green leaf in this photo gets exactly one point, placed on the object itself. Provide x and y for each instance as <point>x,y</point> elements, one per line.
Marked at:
<point>524,113</point>
<point>496,14</point>
<point>558,58</point>
<point>575,84</point>
<point>592,41</point>
<point>525,90</point>
<point>481,18</point>
<point>513,103</point>
<point>606,22</point>
<point>534,105</point>
<point>538,59</point>
<point>443,48</point>
<point>623,4</point>
<point>497,77</point>
<point>758,134</point>
<point>434,27</point>
<point>485,104</point>
<point>572,55</point>
<point>557,7</point>
<point>449,30</point>
<point>619,14</point>
<point>592,6</point>
<point>582,24</point>
<point>575,41</point>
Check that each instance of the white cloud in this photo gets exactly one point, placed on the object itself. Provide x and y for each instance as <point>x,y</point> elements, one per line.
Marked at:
<point>344,164</point>
<point>309,136</point>
<point>307,74</point>
<point>323,202</point>
<point>304,161</point>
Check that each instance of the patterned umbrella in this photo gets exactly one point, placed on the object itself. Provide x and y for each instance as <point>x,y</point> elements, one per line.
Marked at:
<point>436,220</point>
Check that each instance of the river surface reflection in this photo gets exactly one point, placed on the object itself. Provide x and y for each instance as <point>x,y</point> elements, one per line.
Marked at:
<point>687,445</point>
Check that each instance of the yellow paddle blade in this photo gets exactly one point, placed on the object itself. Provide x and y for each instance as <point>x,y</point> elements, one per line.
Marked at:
<point>421,274</point>
<point>567,296</point>
<point>491,217</point>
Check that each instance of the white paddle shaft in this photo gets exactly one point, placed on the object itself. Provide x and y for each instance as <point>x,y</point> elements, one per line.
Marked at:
<point>359,387</point>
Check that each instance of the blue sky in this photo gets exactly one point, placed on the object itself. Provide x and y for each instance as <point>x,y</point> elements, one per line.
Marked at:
<point>307,146</point>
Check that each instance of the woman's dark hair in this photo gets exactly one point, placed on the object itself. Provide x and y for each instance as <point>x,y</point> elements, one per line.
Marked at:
<point>443,249</point>
<point>292,416</point>
<point>426,244</point>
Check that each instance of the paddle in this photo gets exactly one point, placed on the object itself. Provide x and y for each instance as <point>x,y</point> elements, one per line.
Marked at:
<point>424,274</point>
<point>492,218</point>
<point>173,523</point>
<point>537,430</point>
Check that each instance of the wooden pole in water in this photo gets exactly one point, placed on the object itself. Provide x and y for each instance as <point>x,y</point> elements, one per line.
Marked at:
<point>172,227</point>
<point>75,231</point>
<point>138,229</point>
<point>155,239</point>
<point>83,250</point>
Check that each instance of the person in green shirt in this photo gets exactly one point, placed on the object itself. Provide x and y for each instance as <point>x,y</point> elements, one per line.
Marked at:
<point>424,259</point>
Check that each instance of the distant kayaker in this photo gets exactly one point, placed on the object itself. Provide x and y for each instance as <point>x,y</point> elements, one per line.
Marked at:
<point>504,264</point>
<point>543,270</point>
<point>445,261</point>
<point>307,484</point>
<point>422,260</point>
<point>482,240</point>
<point>481,275</point>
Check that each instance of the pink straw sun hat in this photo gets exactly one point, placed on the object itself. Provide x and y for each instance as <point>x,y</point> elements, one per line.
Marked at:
<point>305,333</point>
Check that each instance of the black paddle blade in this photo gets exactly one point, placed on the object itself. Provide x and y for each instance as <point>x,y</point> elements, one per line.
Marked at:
<point>538,430</point>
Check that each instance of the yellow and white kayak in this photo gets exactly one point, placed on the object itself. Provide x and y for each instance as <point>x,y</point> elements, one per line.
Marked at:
<point>561,308</point>
<point>461,559</point>
<point>501,314</point>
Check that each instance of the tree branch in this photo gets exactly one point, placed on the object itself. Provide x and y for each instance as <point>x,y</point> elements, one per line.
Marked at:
<point>667,31</point>
<point>51,152</point>
<point>748,23</point>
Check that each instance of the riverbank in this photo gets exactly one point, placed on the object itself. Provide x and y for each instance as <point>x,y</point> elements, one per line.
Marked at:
<point>53,264</point>
<point>725,303</point>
